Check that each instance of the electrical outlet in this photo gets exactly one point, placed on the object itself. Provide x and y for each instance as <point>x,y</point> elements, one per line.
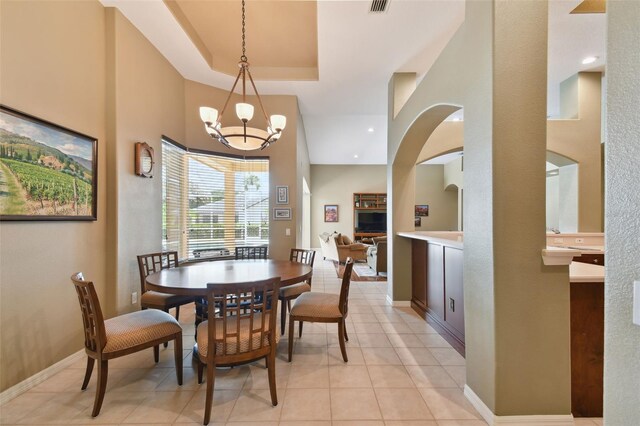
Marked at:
<point>134,297</point>
<point>579,240</point>
<point>558,240</point>
<point>288,232</point>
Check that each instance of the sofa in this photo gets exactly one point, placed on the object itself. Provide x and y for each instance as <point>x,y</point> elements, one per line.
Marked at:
<point>338,247</point>
<point>377,255</point>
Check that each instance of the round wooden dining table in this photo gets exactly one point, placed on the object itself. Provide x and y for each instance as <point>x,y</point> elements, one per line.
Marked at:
<point>192,280</point>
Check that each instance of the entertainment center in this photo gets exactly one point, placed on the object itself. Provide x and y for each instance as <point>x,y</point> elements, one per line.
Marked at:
<point>369,215</point>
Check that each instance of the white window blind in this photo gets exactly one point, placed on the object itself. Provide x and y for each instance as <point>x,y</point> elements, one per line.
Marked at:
<point>213,203</point>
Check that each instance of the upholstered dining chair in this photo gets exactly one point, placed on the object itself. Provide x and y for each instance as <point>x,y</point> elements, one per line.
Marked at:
<point>251,252</point>
<point>122,335</point>
<point>233,335</point>
<point>324,307</point>
<point>288,293</point>
<point>154,262</point>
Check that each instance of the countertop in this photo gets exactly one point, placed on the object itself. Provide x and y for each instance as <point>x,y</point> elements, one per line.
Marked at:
<point>450,239</point>
<point>578,272</point>
<point>586,273</point>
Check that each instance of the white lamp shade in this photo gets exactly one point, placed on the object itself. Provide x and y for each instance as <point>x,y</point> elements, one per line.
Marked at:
<point>244,111</point>
<point>208,115</point>
<point>278,122</point>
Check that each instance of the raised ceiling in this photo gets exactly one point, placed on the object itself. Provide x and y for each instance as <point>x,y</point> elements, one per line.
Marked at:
<point>357,52</point>
<point>282,36</point>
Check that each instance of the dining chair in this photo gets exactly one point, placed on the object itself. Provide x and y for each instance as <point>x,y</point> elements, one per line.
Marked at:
<point>288,293</point>
<point>154,262</point>
<point>121,335</point>
<point>324,307</point>
<point>233,335</point>
<point>251,252</point>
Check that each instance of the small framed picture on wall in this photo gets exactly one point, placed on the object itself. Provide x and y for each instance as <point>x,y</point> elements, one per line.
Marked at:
<point>282,194</point>
<point>281,214</point>
<point>330,212</point>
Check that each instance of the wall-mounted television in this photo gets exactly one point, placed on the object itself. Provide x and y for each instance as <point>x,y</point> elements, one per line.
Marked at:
<point>371,222</point>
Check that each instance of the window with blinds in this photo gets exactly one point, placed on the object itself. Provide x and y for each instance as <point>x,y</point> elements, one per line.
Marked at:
<point>212,203</point>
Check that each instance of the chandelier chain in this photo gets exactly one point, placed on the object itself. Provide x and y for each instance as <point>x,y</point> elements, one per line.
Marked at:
<point>243,58</point>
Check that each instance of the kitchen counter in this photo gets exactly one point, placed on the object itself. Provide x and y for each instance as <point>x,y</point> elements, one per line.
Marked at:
<point>450,239</point>
<point>586,273</point>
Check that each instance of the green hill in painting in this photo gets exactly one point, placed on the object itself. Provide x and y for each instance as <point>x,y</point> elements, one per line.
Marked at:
<point>21,148</point>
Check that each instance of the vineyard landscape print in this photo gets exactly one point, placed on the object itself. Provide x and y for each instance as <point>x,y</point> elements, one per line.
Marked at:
<point>46,172</point>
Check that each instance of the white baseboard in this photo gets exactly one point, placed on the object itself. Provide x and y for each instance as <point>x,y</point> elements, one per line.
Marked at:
<point>36,379</point>
<point>535,420</point>
<point>398,303</point>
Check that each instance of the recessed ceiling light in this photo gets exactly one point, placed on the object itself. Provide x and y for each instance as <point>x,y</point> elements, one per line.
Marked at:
<point>589,60</point>
<point>355,156</point>
<point>370,130</point>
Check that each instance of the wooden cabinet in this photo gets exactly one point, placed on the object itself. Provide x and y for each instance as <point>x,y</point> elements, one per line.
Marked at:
<point>435,280</point>
<point>369,215</point>
<point>454,291</point>
<point>419,273</point>
<point>370,201</point>
<point>594,258</point>
<point>437,285</point>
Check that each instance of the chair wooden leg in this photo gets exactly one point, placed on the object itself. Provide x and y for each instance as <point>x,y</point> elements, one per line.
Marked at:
<point>178,313</point>
<point>343,349</point>
<point>200,371</point>
<point>300,329</point>
<point>271,366</point>
<point>177,353</point>
<point>344,325</point>
<point>291,323</point>
<point>103,371</point>
<point>87,374</point>
<point>283,317</point>
<point>156,353</point>
<point>211,377</point>
<point>165,343</point>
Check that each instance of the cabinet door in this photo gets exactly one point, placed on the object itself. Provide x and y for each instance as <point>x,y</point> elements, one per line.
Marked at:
<point>454,288</point>
<point>435,280</point>
<point>419,273</point>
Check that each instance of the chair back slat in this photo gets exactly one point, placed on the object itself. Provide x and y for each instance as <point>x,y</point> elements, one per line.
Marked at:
<point>251,252</point>
<point>344,289</point>
<point>154,262</point>
<point>306,257</point>
<point>94,332</point>
<point>232,316</point>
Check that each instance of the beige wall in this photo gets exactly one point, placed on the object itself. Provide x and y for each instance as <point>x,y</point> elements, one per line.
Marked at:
<point>303,170</point>
<point>58,76</point>
<point>576,136</point>
<point>443,205</point>
<point>336,185</point>
<point>622,242</point>
<point>146,101</point>
<point>87,68</point>
<point>506,286</point>
<point>283,155</point>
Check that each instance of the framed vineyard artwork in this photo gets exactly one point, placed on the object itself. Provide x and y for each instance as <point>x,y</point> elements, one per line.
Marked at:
<point>47,172</point>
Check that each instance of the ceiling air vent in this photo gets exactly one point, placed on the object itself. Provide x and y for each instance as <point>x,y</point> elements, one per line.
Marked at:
<point>379,6</point>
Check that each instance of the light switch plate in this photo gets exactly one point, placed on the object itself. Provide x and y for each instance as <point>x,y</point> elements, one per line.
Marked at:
<point>288,232</point>
<point>636,302</point>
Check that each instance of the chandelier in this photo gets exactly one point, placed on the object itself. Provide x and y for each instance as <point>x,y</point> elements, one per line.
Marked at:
<point>243,137</point>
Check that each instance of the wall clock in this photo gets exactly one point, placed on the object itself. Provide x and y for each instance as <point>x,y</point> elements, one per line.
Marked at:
<point>144,160</point>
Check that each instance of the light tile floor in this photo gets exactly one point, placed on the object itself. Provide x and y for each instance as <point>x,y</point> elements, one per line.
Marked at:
<point>400,372</point>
